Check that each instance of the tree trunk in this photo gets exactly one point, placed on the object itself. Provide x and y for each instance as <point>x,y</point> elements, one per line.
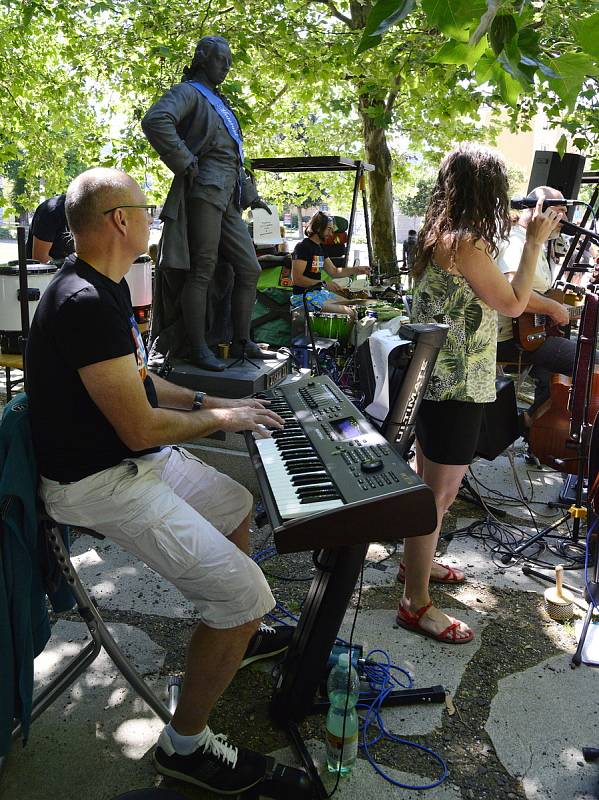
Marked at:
<point>380,188</point>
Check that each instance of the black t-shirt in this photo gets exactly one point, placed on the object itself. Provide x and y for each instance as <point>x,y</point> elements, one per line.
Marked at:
<point>313,255</point>
<point>82,318</point>
<point>49,224</point>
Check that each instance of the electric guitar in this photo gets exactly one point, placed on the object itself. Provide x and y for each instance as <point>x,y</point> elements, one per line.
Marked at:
<point>531,330</point>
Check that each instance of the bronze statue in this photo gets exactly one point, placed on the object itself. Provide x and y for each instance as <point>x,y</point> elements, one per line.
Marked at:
<point>197,135</point>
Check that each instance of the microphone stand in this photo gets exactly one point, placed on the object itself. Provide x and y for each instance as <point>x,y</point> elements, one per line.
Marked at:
<point>581,435</point>
<point>243,357</point>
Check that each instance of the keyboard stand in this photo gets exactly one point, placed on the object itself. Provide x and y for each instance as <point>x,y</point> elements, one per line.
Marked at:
<point>305,664</point>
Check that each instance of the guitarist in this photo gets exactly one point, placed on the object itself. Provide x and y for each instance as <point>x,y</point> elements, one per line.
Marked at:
<point>556,353</point>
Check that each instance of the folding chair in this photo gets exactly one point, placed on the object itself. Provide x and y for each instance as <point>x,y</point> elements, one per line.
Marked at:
<point>100,635</point>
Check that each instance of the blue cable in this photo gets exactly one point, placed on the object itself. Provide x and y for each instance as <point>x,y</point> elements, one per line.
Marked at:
<point>380,678</point>
<point>264,555</point>
<point>285,612</point>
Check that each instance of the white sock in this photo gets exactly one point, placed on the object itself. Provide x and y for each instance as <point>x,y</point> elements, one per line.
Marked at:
<point>186,745</point>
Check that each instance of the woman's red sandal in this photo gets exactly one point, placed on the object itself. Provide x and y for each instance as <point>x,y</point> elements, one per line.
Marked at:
<point>450,576</point>
<point>449,635</point>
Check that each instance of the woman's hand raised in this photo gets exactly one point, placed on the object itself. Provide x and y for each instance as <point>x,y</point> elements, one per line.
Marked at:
<point>544,223</point>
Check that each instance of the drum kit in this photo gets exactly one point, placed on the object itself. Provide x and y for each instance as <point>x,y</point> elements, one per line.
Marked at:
<point>340,326</point>
<point>332,326</point>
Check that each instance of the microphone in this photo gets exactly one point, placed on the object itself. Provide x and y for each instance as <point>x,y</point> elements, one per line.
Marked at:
<point>524,202</point>
<point>571,229</point>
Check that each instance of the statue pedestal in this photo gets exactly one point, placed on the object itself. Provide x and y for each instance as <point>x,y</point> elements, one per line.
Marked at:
<point>238,381</point>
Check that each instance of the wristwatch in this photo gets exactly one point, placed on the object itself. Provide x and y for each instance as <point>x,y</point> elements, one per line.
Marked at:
<point>198,400</point>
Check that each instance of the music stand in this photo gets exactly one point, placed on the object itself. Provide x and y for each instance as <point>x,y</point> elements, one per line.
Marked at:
<point>318,365</point>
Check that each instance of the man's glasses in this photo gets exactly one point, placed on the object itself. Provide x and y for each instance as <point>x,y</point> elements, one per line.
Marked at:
<point>150,209</point>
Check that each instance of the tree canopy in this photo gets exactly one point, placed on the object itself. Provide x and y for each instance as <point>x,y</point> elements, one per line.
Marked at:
<point>311,77</point>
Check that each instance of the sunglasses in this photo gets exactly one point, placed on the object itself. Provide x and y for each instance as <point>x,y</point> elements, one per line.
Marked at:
<point>150,209</point>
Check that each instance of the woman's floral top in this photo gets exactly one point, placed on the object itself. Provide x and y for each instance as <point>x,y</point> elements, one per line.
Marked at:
<point>465,368</point>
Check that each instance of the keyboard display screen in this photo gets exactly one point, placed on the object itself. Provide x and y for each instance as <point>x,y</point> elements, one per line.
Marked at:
<point>346,428</point>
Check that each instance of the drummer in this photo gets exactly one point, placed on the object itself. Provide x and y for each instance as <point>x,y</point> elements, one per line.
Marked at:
<point>308,262</point>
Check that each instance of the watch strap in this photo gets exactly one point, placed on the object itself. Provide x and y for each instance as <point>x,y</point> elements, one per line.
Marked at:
<point>198,400</point>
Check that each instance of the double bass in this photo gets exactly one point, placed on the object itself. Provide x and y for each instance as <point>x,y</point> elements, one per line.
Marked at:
<point>560,427</point>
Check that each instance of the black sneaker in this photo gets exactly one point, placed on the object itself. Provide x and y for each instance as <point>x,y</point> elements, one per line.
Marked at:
<point>215,765</point>
<point>267,642</point>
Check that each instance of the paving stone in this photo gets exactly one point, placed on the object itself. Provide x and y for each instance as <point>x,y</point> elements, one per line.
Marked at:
<point>381,576</point>
<point>540,484</point>
<point>103,733</point>
<point>430,663</point>
<point>94,741</point>
<point>540,720</point>
<point>474,557</point>
<point>363,783</point>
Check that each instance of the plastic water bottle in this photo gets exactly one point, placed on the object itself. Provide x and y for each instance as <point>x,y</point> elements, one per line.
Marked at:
<point>342,745</point>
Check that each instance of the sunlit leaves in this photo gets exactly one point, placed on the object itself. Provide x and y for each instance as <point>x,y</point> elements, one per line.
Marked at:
<point>587,34</point>
<point>84,71</point>
<point>383,16</point>
<point>562,145</point>
<point>454,18</point>
<point>571,69</point>
<point>454,52</point>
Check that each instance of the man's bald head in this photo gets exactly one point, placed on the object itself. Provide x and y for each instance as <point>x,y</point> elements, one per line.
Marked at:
<point>545,192</point>
<point>94,192</point>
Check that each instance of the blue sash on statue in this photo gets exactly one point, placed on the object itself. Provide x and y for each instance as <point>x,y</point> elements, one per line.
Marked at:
<point>225,113</point>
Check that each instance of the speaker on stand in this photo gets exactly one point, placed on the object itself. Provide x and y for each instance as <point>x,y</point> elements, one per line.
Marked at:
<point>563,174</point>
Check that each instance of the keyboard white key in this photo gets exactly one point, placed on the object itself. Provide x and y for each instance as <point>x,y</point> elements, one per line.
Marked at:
<point>284,492</point>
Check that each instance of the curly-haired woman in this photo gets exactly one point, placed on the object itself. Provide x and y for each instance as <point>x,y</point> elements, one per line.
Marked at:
<point>458,283</point>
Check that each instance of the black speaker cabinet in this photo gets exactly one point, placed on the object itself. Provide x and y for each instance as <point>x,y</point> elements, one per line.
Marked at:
<point>499,427</point>
<point>564,174</point>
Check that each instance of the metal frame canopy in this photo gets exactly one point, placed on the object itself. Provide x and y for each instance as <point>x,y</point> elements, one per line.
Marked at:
<point>328,164</point>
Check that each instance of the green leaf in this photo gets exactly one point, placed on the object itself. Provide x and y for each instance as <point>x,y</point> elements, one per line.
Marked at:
<point>503,30</point>
<point>526,13</point>
<point>562,145</point>
<point>485,66</point>
<point>460,53</point>
<point>572,70</point>
<point>534,62</point>
<point>381,12</point>
<point>367,42</point>
<point>383,15</point>
<point>485,22</point>
<point>510,60</point>
<point>508,88</point>
<point>27,15</point>
<point>454,18</point>
<point>587,34</point>
<point>529,41</point>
